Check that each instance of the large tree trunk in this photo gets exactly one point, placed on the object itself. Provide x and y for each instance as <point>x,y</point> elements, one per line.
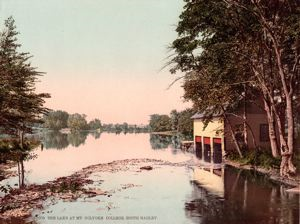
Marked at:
<point>287,88</point>
<point>245,119</point>
<point>290,123</point>
<point>22,174</point>
<point>272,130</point>
<point>286,166</point>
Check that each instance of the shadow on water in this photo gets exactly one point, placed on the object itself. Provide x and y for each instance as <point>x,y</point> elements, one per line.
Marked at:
<point>237,196</point>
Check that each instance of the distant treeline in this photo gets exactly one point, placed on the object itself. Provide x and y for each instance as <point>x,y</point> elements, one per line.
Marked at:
<point>125,128</point>
<point>177,121</point>
<point>57,120</point>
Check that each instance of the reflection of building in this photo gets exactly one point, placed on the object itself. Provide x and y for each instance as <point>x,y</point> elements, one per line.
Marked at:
<point>229,195</point>
<point>213,140</point>
<point>211,179</point>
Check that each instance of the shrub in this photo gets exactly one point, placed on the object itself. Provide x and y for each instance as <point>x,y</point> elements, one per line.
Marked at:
<point>261,158</point>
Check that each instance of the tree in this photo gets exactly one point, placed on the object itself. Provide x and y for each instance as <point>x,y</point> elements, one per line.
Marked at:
<point>232,47</point>
<point>77,122</point>
<point>174,119</point>
<point>185,122</point>
<point>20,106</point>
<point>160,122</point>
<point>95,124</point>
<point>56,120</point>
<point>125,127</point>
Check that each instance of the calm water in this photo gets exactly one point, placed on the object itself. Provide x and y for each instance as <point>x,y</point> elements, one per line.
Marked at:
<point>166,194</point>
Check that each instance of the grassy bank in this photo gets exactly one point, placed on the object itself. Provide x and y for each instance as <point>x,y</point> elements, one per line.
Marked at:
<point>264,162</point>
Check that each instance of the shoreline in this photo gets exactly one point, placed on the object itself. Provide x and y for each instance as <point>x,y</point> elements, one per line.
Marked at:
<point>169,133</point>
<point>19,203</point>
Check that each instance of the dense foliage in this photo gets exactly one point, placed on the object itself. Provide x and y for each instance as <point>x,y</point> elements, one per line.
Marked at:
<point>236,51</point>
<point>56,120</point>
<point>177,122</point>
<point>20,106</point>
<point>160,123</point>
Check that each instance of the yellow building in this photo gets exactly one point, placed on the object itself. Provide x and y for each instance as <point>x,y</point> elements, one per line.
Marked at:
<point>209,141</point>
<point>213,140</point>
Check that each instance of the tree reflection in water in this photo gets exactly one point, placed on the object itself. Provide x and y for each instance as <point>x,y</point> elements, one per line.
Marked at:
<point>77,138</point>
<point>55,139</point>
<point>58,140</point>
<point>248,197</point>
<point>164,141</point>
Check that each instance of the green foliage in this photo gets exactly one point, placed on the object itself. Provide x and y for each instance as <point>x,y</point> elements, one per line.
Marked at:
<point>56,120</point>
<point>160,123</point>
<point>95,124</point>
<point>20,106</point>
<point>185,122</point>
<point>77,122</point>
<point>261,158</point>
<point>174,119</point>
<point>10,145</point>
<point>234,51</point>
<point>178,121</point>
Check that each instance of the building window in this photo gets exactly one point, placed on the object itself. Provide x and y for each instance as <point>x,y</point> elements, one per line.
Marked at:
<point>264,133</point>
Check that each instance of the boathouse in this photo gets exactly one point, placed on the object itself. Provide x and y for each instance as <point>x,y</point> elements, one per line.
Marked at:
<point>211,141</point>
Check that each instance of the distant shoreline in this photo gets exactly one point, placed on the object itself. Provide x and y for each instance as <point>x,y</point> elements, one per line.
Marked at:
<point>164,132</point>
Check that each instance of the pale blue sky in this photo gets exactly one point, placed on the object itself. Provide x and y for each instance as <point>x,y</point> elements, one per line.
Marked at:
<point>102,58</point>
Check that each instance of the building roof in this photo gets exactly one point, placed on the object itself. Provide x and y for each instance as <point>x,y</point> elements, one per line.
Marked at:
<point>203,115</point>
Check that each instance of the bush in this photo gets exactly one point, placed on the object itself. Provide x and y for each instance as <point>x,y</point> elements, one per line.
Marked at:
<point>261,158</point>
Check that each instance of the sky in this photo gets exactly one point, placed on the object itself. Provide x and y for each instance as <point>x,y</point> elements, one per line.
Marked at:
<point>102,58</point>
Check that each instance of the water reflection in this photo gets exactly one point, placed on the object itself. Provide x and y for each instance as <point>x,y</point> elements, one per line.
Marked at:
<point>214,195</point>
<point>55,139</point>
<point>95,134</point>
<point>235,196</point>
<point>165,141</point>
<point>59,140</point>
<point>77,138</point>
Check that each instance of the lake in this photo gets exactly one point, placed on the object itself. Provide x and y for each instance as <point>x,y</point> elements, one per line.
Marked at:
<point>191,191</point>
